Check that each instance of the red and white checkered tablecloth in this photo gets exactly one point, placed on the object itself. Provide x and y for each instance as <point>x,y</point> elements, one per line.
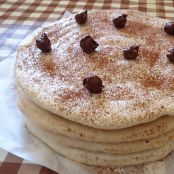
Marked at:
<point>20,17</point>
<point>11,164</point>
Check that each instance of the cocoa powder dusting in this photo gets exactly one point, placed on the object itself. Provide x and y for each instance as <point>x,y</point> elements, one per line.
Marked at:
<point>71,95</point>
<point>135,28</point>
<point>153,82</point>
<point>48,66</point>
<point>149,55</point>
<point>100,62</point>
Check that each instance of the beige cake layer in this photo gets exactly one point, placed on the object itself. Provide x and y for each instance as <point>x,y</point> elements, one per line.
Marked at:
<point>59,125</point>
<point>135,91</point>
<point>112,148</point>
<point>99,158</point>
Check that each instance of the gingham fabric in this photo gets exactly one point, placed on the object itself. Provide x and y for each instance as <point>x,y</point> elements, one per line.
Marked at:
<point>11,164</point>
<point>20,17</point>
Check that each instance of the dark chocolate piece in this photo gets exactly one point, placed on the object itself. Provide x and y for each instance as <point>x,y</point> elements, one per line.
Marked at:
<point>131,53</point>
<point>169,28</point>
<point>88,44</point>
<point>120,21</point>
<point>44,43</point>
<point>170,55</point>
<point>81,18</point>
<point>93,84</point>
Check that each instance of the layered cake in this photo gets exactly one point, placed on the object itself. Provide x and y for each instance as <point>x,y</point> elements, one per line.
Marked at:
<point>98,86</point>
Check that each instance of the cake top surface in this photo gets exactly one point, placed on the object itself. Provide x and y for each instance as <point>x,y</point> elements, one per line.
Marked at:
<point>135,91</point>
